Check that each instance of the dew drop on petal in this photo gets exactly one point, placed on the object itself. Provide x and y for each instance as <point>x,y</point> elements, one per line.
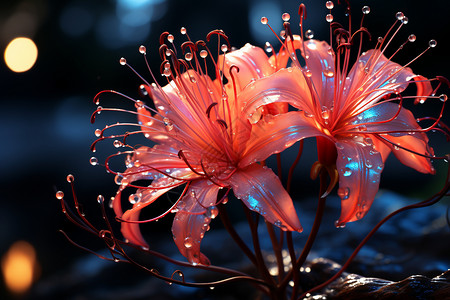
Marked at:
<point>286,17</point>
<point>123,61</point>
<point>214,212</point>
<point>308,73</point>
<point>134,198</point>
<point>329,4</point>
<point>329,18</point>
<point>412,38</point>
<point>432,43</point>
<point>70,178</point>
<point>347,172</point>
<point>366,10</point>
<point>59,195</point>
<point>188,242</point>
<point>142,49</point>
<point>98,132</point>
<point>309,34</point>
<point>264,20</point>
<point>343,192</point>
<point>93,161</point>
<point>399,15</point>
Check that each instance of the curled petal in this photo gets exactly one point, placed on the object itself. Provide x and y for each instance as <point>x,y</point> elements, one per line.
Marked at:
<point>287,85</point>
<point>192,221</point>
<point>261,191</point>
<point>273,134</point>
<point>252,62</point>
<point>359,166</point>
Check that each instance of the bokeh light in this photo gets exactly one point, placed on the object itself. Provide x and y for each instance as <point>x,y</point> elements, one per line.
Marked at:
<point>18,267</point>
<point>21,54</point>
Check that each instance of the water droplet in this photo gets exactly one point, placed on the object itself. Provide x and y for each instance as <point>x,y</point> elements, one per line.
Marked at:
<point>123,61</point>
<point>183,30</point>
<point>380,39</point>
<point>101,199</point>
<point>278,223</point>
<point>142,49</point>
<point>203,54</point>
<point>347,172</point>
<point>396,147</point>
<point>167,65</point>
<point>366,70</point>
<point>117,143</point>
<point>329,18</point>
<point>59,195</point>
<point>188,242</point>
<point>93,161</point>
<point>343,192</point>
<point>432,43</point>
<point>286,17</point>
<point>213,211</point>
<point>268,47</point>
<point>443,97</point>
<point>366,10</point>
<point>283,34</point>
<point>134,198</point>
<point>412,38</point>
<point>70,178</point>
<point>399,15</point>
<point>329,4</point>
<point>193,194</point>
<point>224,48</point>
<point>405,20</point>
<point>328,72</point>
<point>211,287</point>
<point>368,141</point>
<point>167,72</point>
<point>98,132</point>
<point>168,52</point>
<point>309,34</point>
<point>368,163</point>
<point>170,38</point>
<point>339,225</point>
<point>308,73</point>
<point>264,20</point>
<point>99,109</point>
<point>118,179</point>
<point>359,215</point>
<point>325,113</point>
<point>188,56</point>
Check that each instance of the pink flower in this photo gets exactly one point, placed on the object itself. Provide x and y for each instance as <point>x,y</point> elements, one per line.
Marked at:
<point>351,114</point>
<point>205,142</point>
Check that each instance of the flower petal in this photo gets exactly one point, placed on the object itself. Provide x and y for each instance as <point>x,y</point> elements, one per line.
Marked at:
<point>191,222</point>
<point>261,191</point>
<point>252,62</point>
<point>359,166</point>
<point>287,85</point>
<point>273,134</point>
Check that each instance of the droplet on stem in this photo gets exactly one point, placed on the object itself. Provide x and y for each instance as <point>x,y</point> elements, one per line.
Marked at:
<point>264,20</point>
<point>123,61</point>
<point>329,4</point>
<point>366,10</point>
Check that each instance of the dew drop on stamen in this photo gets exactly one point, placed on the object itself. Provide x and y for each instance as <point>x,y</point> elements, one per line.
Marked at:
<point>70,178</point>
<point>268,47</point>
<point>380,39</point>
<point>329,18</point>
<point>167,72</point>
<point>308,73</point>
<point>405,20</point>
<point>170,38</point>
<point>93,161</point>
<point>283,34</point>
<point>117,143</point>
<point>443,97</point>
<point>183,30</point>
<point>224,48</point>
<point>59,195</point>
<point>123,61</point>
<point>168,52</point>
<point>188,56</point>
<point>432,43</point>
<point>412,38</point>
<point>99,109</point>
<point>309,34</point>
<point>329,4</point>
<point>214,212</point>
<point>98,132</point>
<point>142,49</point>
<point>167,65</point>
<point>399,15</point>
<point>101,199</point>
<point>203,54</point>
<point>286,17</point>
<point>264,20</point>
<point>134,198</point>
<point>366,10</point>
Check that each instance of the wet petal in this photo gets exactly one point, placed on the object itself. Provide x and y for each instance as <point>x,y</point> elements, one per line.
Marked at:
<point>261,191</point>
<point>191,222</point>
<point>252,62</point>
<point>359,166</point>
<point>273,134</point>
<point>287,85</point>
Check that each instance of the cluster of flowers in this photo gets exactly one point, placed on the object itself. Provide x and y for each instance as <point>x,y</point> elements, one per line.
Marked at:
<point>217,120</point>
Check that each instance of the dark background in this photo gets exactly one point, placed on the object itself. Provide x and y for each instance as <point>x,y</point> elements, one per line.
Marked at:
<point>44,114</point>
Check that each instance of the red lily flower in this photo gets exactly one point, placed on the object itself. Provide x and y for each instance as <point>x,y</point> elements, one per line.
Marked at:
<point>350,113</point>
<point>203,140</point>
